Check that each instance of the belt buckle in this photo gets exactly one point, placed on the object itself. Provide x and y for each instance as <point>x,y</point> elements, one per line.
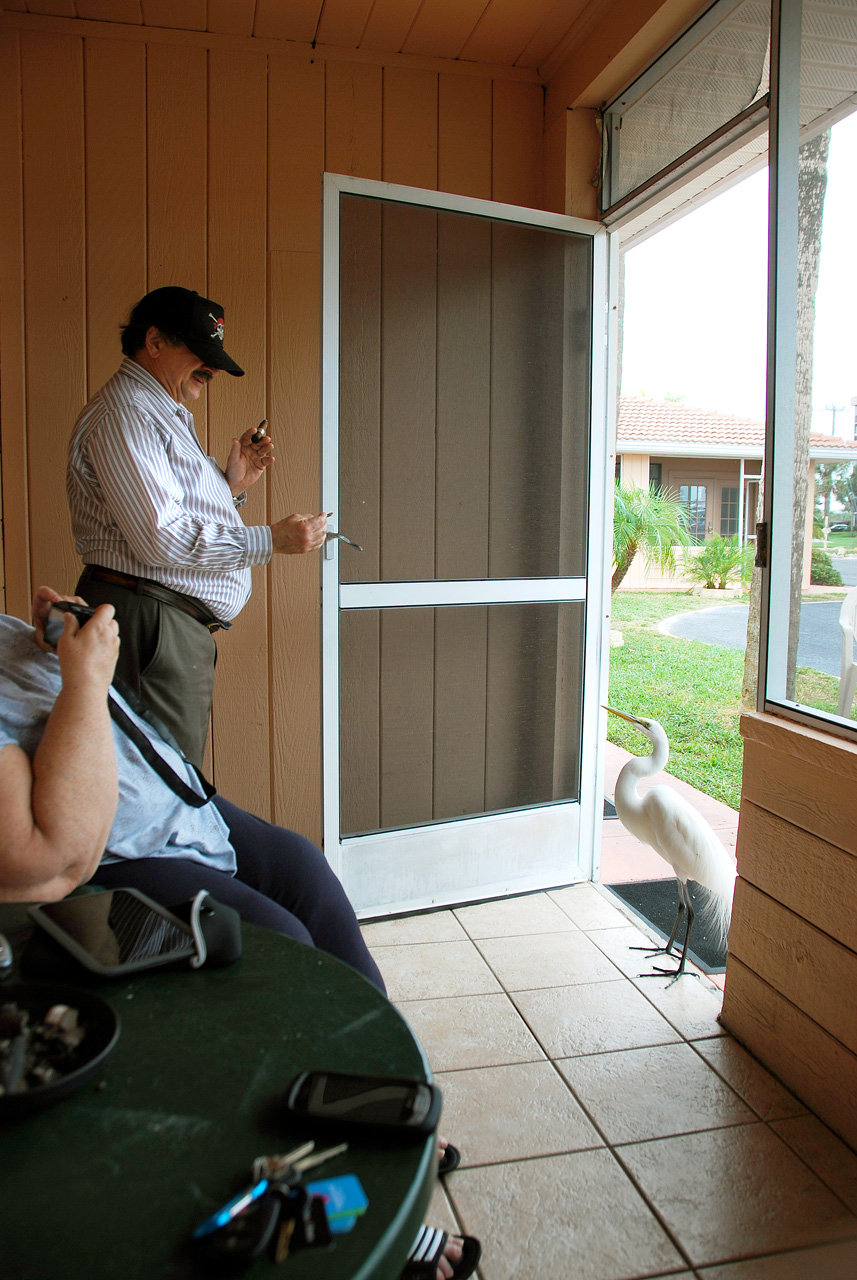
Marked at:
<point>213,626</point>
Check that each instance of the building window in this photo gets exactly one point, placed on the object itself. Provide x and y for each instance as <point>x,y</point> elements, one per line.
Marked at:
<point>728,511</point>
<point>692,497</point>
<point>655,475</point>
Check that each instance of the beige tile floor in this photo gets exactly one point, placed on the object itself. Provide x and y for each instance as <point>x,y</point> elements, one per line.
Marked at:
<point>609,1127</point>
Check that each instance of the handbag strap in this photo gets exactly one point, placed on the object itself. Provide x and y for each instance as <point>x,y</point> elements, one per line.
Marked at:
<point>156,761</point>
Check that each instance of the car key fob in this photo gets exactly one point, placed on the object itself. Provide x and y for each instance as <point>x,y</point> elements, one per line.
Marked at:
<point>243,1239</point>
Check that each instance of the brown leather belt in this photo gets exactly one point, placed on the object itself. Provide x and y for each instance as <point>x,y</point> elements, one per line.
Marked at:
<point>147,587</point>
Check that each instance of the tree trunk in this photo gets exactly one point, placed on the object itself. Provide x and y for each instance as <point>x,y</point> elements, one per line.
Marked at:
<point>622,568</point>
<point>750,683</point>
<point>812,184</point>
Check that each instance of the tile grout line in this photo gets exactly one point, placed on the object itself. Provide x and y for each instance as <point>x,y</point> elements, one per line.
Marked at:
<point>615,1149</point>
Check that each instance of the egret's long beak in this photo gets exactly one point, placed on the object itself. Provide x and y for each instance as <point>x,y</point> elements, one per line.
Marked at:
<point>623,714</point>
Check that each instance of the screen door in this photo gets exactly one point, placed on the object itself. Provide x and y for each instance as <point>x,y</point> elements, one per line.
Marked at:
<point>464,451</point>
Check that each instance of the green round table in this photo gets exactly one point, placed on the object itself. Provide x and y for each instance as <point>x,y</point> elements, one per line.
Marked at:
<point>109,1182</point>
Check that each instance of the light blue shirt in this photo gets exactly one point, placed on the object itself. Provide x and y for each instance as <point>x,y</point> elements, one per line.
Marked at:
<point>151,821</point>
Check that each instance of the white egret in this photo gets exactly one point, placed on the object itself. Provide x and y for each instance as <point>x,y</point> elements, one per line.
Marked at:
<point>665,821</point>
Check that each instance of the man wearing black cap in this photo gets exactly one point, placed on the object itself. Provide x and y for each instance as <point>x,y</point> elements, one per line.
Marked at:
<point>155,520</point>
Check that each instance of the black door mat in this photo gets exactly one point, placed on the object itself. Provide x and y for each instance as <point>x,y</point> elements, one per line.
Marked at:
<point>656,902</point>
<point>609,809</point>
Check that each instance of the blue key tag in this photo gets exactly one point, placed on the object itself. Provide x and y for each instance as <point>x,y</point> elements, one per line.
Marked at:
<point>344,1199</point>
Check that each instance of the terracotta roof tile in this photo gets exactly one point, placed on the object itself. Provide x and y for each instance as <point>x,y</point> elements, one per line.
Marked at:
<point>674,423</point>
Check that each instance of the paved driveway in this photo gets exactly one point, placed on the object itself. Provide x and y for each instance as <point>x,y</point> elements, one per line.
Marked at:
<point>820,639</point>
<point>820,642</point>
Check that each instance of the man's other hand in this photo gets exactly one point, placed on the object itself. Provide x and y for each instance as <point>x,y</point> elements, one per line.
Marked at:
<point>247,461</point>
<point>297,534</point>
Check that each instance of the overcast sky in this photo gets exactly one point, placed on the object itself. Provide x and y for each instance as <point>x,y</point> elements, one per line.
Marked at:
<point>695,301</point>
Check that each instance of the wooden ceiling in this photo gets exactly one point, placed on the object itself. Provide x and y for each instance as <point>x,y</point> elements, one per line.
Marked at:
<point>536,35</point>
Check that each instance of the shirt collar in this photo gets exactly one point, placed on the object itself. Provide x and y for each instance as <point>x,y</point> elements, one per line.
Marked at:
<point>130,369</point>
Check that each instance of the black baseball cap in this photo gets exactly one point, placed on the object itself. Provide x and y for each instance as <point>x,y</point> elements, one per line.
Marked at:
<point>197,321</point>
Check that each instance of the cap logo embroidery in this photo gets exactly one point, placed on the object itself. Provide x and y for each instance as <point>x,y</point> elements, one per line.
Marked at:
<point>218,327</point>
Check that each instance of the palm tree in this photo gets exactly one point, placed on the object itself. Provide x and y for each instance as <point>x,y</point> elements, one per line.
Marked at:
<point>649,521</point>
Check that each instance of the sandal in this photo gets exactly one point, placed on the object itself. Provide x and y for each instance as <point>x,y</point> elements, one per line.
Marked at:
<point>449,1160</point>
<point>427,1252</point>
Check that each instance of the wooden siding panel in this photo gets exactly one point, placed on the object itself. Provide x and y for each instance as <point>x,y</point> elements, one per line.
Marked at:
<point>410,127</point>
<point>294,581</point>
<point>464,136</point>
<point>408,393</point>
<point>130,11</point>
<point>359,713</point>
<point>359,512</point>
<point>54,8</point>
<point>54,234</point>
<point>555,155</point>
<point>407,691</point>
<point>442,29</point>
<point>803,791</point>
<point>796,842</point>
<point>13,390</point>
<point>353,107</point>
<point>820,1070</point>
<point>463,452</point>
<point>115,197</point>
<point>295,153</point>
<point>342,22</point>
<point>807,874</point>
<point>231,17</point>
<point>461,641</point>
<point>506,29</point>
<point>463,396</point>
<point>185,15</point>
<point>296,20</point>
<point>237,279</point>
<point>177,89</point>
<point>517,154</point>
<point>389,23</point>
<point>807,967</point>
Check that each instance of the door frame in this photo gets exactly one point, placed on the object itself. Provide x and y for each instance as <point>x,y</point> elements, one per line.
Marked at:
<point>557,824</point>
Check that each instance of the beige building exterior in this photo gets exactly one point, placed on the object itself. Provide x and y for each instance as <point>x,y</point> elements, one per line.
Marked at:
<point>712,463</point>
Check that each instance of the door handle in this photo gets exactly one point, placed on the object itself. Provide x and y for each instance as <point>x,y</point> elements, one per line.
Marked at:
<point>331,537</point>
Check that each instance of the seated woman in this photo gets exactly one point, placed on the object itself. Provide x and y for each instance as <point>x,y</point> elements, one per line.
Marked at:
<point>79,801</point>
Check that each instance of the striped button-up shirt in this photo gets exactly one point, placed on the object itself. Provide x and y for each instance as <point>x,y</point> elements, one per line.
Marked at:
<point>146,500</point>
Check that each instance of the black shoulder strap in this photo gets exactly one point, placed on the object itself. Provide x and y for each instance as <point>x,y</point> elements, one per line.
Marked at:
<point>148,752</point>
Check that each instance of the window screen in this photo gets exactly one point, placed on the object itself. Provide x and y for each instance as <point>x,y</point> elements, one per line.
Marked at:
<point>714,74</point>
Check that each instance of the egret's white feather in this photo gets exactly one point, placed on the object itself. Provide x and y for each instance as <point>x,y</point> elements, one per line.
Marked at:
<point>669,824</point>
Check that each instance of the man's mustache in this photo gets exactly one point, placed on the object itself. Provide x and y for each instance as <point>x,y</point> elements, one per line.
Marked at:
<point>203,373</point>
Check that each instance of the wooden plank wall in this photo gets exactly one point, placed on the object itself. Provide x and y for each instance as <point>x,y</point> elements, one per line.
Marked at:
<point>132,158</point>
<point>792,964</point>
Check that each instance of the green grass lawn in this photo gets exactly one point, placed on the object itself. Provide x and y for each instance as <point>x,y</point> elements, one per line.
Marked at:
<point>692,689</point>
<point>838,543</point>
